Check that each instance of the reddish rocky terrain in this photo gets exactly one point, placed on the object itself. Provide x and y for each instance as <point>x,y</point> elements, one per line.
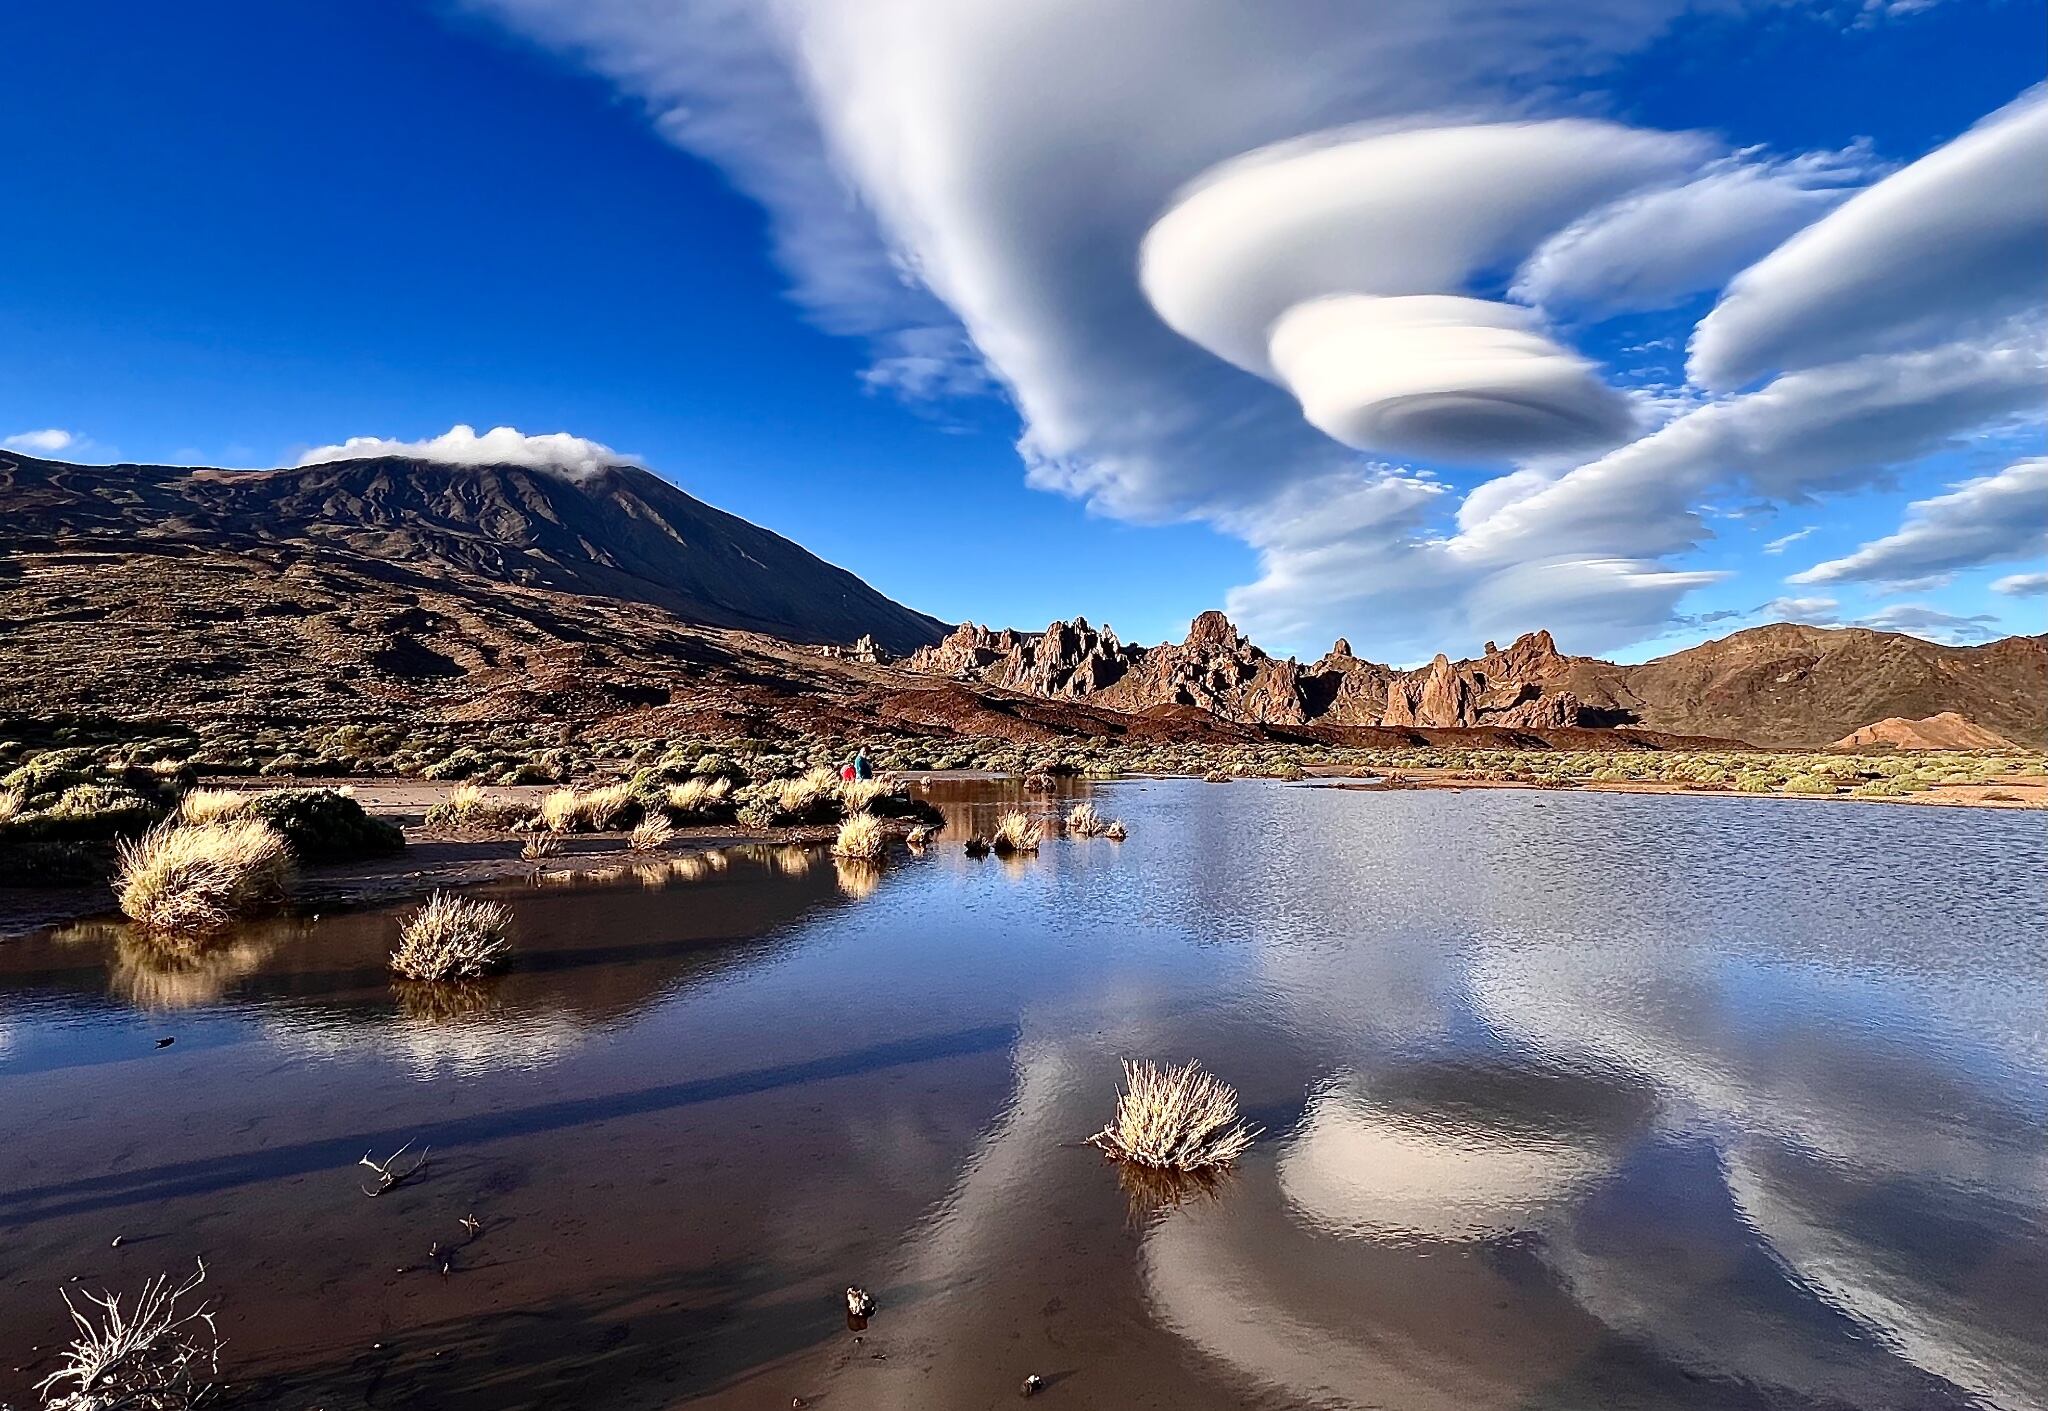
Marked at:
<point>1946,731</point>
<point>384,589</point>
<point>1781,685</point>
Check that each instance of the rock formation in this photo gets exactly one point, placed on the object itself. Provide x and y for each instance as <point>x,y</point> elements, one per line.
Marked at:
<point>1066,661</point>
<point>1216,669</point>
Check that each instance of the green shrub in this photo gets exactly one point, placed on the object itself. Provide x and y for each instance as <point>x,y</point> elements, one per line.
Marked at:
<point>323,825</point>
<point>1808,784</point>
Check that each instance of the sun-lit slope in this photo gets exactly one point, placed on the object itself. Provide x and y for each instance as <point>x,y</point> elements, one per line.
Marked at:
<point>620,532</point>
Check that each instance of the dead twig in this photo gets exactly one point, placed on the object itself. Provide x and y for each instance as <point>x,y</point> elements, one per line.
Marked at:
<point>388,1174</point>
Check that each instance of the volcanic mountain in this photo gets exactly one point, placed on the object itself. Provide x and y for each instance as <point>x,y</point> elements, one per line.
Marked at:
<point>620,532</point>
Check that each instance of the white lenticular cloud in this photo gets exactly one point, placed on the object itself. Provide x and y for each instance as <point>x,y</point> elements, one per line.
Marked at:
<point>1340,268</point>
<point>1442,378</point>
<point>501,445</point>
<point>1412,212</point>
<point>2022,585</point>
<point>48,441</point>
<point>1651,249</point>
<point>1954,239</point>
<point>1113,219</point>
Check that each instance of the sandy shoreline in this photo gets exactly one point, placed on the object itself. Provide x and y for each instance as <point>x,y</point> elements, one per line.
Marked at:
<point>441,858</point>
<point>2030,791</point>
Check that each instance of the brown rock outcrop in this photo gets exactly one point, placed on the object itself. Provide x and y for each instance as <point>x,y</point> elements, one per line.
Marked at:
<point>1777,685</point>
<point>1067,660</point>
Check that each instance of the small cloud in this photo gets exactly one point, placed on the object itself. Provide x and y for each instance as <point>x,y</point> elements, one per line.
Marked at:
<point>1814,612</point>
<point>501,445</point>
<point>48,441</point>
<point>2022,585</point>
<point>1779,545</point>
<point>1933,624</point>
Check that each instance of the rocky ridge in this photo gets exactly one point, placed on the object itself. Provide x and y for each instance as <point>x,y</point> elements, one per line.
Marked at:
<point>1781,685</point>
<point>1217,669</point>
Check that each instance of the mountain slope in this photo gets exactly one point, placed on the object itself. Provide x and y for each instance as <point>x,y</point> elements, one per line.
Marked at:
<point>622,533</point>
<point>1809,686</point>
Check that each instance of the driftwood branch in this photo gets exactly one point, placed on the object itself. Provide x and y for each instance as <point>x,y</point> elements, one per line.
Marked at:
<point>388,1172</point>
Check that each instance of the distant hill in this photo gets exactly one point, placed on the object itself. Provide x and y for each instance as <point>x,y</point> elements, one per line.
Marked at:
<point>1809,686</point>
<point>622,533</point>
<point>1947,731</point>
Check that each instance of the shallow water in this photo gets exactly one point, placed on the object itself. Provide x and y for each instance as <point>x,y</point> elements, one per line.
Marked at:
<point>1570,1100</point>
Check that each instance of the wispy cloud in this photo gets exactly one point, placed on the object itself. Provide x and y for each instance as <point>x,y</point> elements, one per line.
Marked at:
<point>1993,519</point>
<point>1786,541</point>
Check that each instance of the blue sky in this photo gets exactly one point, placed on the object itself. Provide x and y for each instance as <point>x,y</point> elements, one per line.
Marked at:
<point>828,280</point>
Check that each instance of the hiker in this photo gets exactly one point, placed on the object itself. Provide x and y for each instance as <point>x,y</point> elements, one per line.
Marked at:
<point>860,765</point>
<point>846,771</point>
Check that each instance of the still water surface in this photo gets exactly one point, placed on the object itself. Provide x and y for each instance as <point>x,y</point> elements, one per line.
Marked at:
<point>1570,1100</point>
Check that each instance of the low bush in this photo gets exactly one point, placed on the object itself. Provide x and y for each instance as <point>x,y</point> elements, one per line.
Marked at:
<point>1016,833</point>
<point>468,806</point>
<point>862,838</point>
<point>192,878</point>
<point>1175,1119</point>
<point>452,938</point>
<point>1084,822</point>
<point>321,825</point>
<point>651,834</point>
<point>608,809</point>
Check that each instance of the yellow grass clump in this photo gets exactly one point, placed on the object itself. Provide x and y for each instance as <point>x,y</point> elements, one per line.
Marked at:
<point>861,838</point>
<point>1175,1119</point>
<point>857,794</point>
<point>211,805</point>
<point>10,803</point>
<point>587,810</point>
<point>651,834</point>
<point>468,806</point>
<point>198,877</point>
<point>1083,821</point>
<point>452,938</point>
<point>540,845</point>
<point>1015,832</point>
<point>693,796</point>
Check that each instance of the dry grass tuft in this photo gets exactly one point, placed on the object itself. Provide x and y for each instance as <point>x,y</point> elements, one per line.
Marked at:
<point>158,1356</point>
<point>192,878</point>
<point>651,834</point>
<point>858,794</point>
<point>1015,832</point>
<point>1116,832</point>
<point>468,806</point>
<point>211,805</point>
<point>10,804</point>
<point>452,938</point>
<point>539,846</point>
<point>1175,1119</point>
<point>589,810</point>
<point>1084,822</point>
<point>693,798</point>
<point>861,838</point>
